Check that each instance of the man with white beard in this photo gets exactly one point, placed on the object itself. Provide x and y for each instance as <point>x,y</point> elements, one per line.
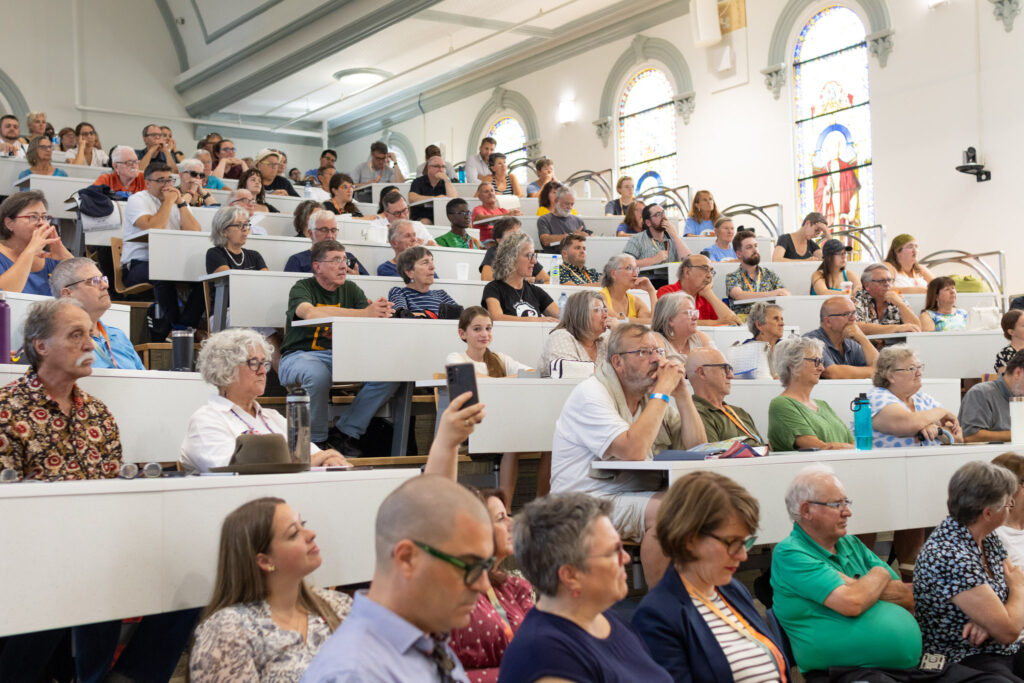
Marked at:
<point>552,227</point>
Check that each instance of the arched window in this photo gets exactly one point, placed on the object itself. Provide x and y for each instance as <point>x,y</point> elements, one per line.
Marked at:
<point>403,162</point>
<point>647,130</point>
<point>833,118</point>
<point>511,140</point>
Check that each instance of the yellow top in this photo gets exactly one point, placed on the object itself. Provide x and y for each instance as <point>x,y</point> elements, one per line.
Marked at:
<point>631,311</point>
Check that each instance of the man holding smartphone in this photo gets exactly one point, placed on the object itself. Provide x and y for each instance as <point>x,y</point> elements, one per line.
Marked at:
<point>381,168</point>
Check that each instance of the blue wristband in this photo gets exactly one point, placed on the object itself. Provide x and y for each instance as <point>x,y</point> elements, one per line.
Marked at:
<point>663,397</point>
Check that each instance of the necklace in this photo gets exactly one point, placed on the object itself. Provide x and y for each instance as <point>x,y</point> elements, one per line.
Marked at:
<point>237,263</point>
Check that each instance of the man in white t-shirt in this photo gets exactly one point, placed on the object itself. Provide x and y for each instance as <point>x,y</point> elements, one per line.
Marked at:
<point>396,208</point>
<point>637,404</point>
<point>10,132</point>
<point>477,168</point>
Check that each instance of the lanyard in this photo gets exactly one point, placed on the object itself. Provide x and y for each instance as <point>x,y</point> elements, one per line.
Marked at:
<point>501,612</point>
<point>581,273</point>
<point>743,628</point>
<point>108,353</point>
<point>731,414</point>
<point>250,429</point>
<point>756,285</point>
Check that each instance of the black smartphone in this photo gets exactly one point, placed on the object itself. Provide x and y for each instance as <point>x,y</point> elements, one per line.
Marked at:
<point>462,378</point>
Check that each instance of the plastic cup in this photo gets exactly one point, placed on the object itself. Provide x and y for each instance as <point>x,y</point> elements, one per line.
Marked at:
<point>461,271</point>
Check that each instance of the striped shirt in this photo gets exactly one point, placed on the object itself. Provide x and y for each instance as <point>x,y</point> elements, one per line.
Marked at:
<point>417,302</point>
<point>750,663</point>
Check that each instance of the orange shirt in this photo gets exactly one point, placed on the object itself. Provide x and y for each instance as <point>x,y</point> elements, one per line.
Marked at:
<point>113,181</point>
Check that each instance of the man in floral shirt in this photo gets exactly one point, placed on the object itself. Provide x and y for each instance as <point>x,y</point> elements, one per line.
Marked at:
<point>50,428</point>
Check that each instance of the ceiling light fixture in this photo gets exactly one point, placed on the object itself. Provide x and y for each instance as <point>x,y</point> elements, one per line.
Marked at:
<point>355,80</point>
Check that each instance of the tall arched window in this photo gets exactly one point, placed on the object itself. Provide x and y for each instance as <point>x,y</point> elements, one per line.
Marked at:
<point>511,140</point>
<point>647,130</point>
<point>833,118</point>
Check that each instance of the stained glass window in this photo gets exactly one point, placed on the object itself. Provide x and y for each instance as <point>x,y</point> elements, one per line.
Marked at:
<point>647,130</point>
<point>833,119</point>
<point>511,140</point>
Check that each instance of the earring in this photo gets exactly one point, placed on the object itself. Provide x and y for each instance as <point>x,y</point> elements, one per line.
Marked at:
<point>271,568</point>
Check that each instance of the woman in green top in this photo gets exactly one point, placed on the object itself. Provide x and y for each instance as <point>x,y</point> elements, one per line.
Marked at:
<point>795,420</point>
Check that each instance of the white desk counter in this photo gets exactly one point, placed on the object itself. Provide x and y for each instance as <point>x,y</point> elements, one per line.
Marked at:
<point>10,168</point>
<point>119,315</point>
<point>891,488</point>
<point>953,354</point>
<point>180,255</point>
<point>87,551</point>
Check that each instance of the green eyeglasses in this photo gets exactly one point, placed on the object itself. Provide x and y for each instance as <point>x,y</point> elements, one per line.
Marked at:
<point>472,571</point>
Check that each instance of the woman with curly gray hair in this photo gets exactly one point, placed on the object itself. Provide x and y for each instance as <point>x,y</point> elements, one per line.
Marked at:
<point>795,420</point>
<point>229,232</point>
<point>235,361</point>
<point>509,296</point>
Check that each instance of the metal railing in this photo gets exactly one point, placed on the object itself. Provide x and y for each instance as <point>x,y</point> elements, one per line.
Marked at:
<point>597,176</point>
<point>672,197</point>
<point>975,263</point>
<point>773,226</point>
<point>873,241</point>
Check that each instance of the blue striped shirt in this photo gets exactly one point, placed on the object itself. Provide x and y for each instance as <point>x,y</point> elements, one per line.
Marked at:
<point>417,302</point>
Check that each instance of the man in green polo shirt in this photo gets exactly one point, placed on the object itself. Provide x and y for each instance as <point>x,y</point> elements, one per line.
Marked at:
<point>458,217</point>
<point>710,378</point>
<point>840,605</point>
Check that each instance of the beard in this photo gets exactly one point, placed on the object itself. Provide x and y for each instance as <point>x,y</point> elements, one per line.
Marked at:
<point>752,260</point>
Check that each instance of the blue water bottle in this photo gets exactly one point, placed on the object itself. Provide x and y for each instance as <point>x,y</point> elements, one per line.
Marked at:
<point>462,174</point>
<point>863,433</point>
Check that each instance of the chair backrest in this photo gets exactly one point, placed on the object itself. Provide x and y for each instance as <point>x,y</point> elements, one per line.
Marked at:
<point>116,247</point>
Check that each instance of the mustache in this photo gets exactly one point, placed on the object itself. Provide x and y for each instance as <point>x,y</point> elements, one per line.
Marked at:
<point>81,360</point>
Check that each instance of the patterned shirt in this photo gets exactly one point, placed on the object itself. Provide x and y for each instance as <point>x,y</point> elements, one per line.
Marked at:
<point>949,564</point>
<point>879,398</point>
<point>481,644</point>
<point>1004,356</point>
<point>948,322</point>
<point>867,313</point>
<point>451,239</point>
<point>242,643</point>
<point>766,281</point>
<point>40,442</point>
<point>577,275</point>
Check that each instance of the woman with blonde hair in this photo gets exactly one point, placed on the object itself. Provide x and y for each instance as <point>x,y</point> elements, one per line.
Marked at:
<point>264,622</point>
<point>703,214</point>
<point>909,276</point>
<point>39,156</point>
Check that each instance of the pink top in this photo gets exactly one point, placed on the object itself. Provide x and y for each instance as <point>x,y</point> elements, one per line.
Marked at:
<point>485,228</point>
<point>481,645</point>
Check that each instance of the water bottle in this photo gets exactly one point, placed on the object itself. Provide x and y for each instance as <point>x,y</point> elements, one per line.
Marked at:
<point>863,432</point>
<point>5,329</point>
<point>561,304</point>
<point>462,174</point>
<point>307,189</point>
<point>182,349</point>
<point>297,412</point>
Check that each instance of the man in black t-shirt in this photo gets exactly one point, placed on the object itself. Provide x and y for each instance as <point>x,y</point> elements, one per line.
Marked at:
<point>433,183</point>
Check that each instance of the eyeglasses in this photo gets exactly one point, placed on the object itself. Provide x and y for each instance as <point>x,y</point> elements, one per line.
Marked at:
<point>161,181</point>
<point>130,162</point>
<point>848,314</point>
<point>835,504</point>
<point>818,362</point>
<point>472,571</point>
<point>196,174</point>
<point>882,281</point>
<point>45,147</point>
<point>255,364</point>
<point>532,256</point>
<point>333,261</point>
<point>400,212</point>
<point>1009,504</point>
<point>733,547</point>
<point>707,269</point>
<point>913,368</point>
<point>227,149</point>
<point>244,200</point>
<point>724,366</point>
<point>692,313</point>
<point>599,309</point>
<point>326,231</point>
<point>645,352</point>
<point>37,217</point>
<point>95,281</point>
<point>631,269</point>
<point>656,215</point>
<point>244,227</point>
<point>617,552</point>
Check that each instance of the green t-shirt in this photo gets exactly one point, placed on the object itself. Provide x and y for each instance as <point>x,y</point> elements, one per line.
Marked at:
<point>719,427</point>
<point>804,574</point>
<point>450,239</point>
<point>316,338</point>
<point>789,418</point>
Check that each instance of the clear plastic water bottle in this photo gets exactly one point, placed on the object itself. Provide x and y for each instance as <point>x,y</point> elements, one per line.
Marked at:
<point>863,433</point>
<point>297,413</point>
<point>561,304</point>
<point>307,189</point>
<point>5,329</point>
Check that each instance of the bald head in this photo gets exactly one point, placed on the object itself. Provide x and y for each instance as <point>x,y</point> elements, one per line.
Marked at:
<point>699,357</point>
<point>708,376</point>
<point>423,509</point>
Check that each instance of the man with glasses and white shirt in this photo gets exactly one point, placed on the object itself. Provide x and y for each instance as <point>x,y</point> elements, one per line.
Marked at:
<point>880,308</point>
<point>637,404</point>
<point>126,178</point>
<point>79,278</point>
<point>396,208</point>
<point>849,354</point>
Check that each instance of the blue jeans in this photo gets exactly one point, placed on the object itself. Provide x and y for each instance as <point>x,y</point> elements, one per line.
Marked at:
<point>312,369</point>
<point>151,655</point>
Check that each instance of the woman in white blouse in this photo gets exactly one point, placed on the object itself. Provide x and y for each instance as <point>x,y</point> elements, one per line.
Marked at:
<point>580,336</point>
<point>264,622</point>
<point>235,361</point>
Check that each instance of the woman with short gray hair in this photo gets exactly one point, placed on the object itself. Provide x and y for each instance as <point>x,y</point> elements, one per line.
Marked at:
<point>509,296</point>
<point>766,322</point>
<point>191,174</point>
<point>568,548</point>
<point>580,334</point>
<point>229,232</point>
<point>795,420</point>
<point>235,361</point>
<point>968,598</point>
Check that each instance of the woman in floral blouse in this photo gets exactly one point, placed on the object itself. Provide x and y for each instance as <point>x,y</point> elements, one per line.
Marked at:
<point>264,623</point>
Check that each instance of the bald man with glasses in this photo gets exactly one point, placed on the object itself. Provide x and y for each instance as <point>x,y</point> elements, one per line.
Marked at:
<point>849,354</point>
<point>710,377</point>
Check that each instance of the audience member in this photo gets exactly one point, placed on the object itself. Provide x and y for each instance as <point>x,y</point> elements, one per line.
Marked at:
<point>710,378</point>
<point>968,597</point>
<point>620,275</point>
<point>750,280</point>
<point>235,361</point>
<point>848,354</point>
<point>295,175</point>
<point>433,183</point>
<point>434,545</point>
<point>637,404</point>
<point>10,137</point>
<point>80,279</point>
<point>546,198</point>
<point>416,267</point>
<point>910,277</point>
<point>633,222</point>
<point>30,245</point>
<point>831,275</point>
<point>435,151</point>
<point>66,140</point>
<point>509,297</point>
<point>156,149</point>
<point>579,335</point>
<point>573,269</point>
<point>209,141</point>
<point>658,243</point>
<point>36,124</point>
<point>382,167</point>
<point>722,248</point>
<point>560,221</point>
<point>901,414</point>
<point>703,214</point>
<point>795,420</point>
<point>39,156</point>
<point>401,236</point>
<point>342,189</point>
<point>843,609</point>
<point>1012,324</point>
<point>87,150</point>
<point>617,207</point>
<point>227,164</point>
<point>317,187</point>
<point>229,231</point>
<point>765,321</point>
<point>985,408</point>
<point>264,622</point>
<point>328,158</point>
<point>800,245</point>
<point>210,181</point>
<point>268,163</point>
<point>458,217</point>
<point>502,227</point>
<point>881,309</point>
<point>569,550</point>
<point>477,168</point>
<point>160,207</point>
<point>488,207</point>
<point>191,187</point>
<point>393,207</point>
<point>696,277</point>
<point>700,622</point>
<point>126,178</point>
<point>1011,533</point>
<point>501,180</point>
<point>171,144</point>
<point>545,172</point>
<point>252,181</point>
<point>306,355</point>
<point>940,313</point>
<point>675,321</point>
<point>317,225</point>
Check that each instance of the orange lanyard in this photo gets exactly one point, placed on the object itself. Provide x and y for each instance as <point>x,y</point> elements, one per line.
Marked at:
<point>501,612</point>
<point>729,413</point>
<point>106,340</point>
<point>743,628</point>
<point>754,286</point>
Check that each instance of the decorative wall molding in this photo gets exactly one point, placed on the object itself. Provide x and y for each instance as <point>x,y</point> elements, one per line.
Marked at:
<point>502,100</point>
<point>880,45</point>
<point>1006,11</point>
<point>774,78</point>
<point>175,35</point>
<point>640,50</point>
<point>12,95</point>
<point>211,36</point>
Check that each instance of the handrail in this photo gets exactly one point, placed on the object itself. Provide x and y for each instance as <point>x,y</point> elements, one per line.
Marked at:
<point>974,262</point>
<point>672,194</point>
<point>859,234</point>
<point>760,214</point>
<point>586,176</point>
